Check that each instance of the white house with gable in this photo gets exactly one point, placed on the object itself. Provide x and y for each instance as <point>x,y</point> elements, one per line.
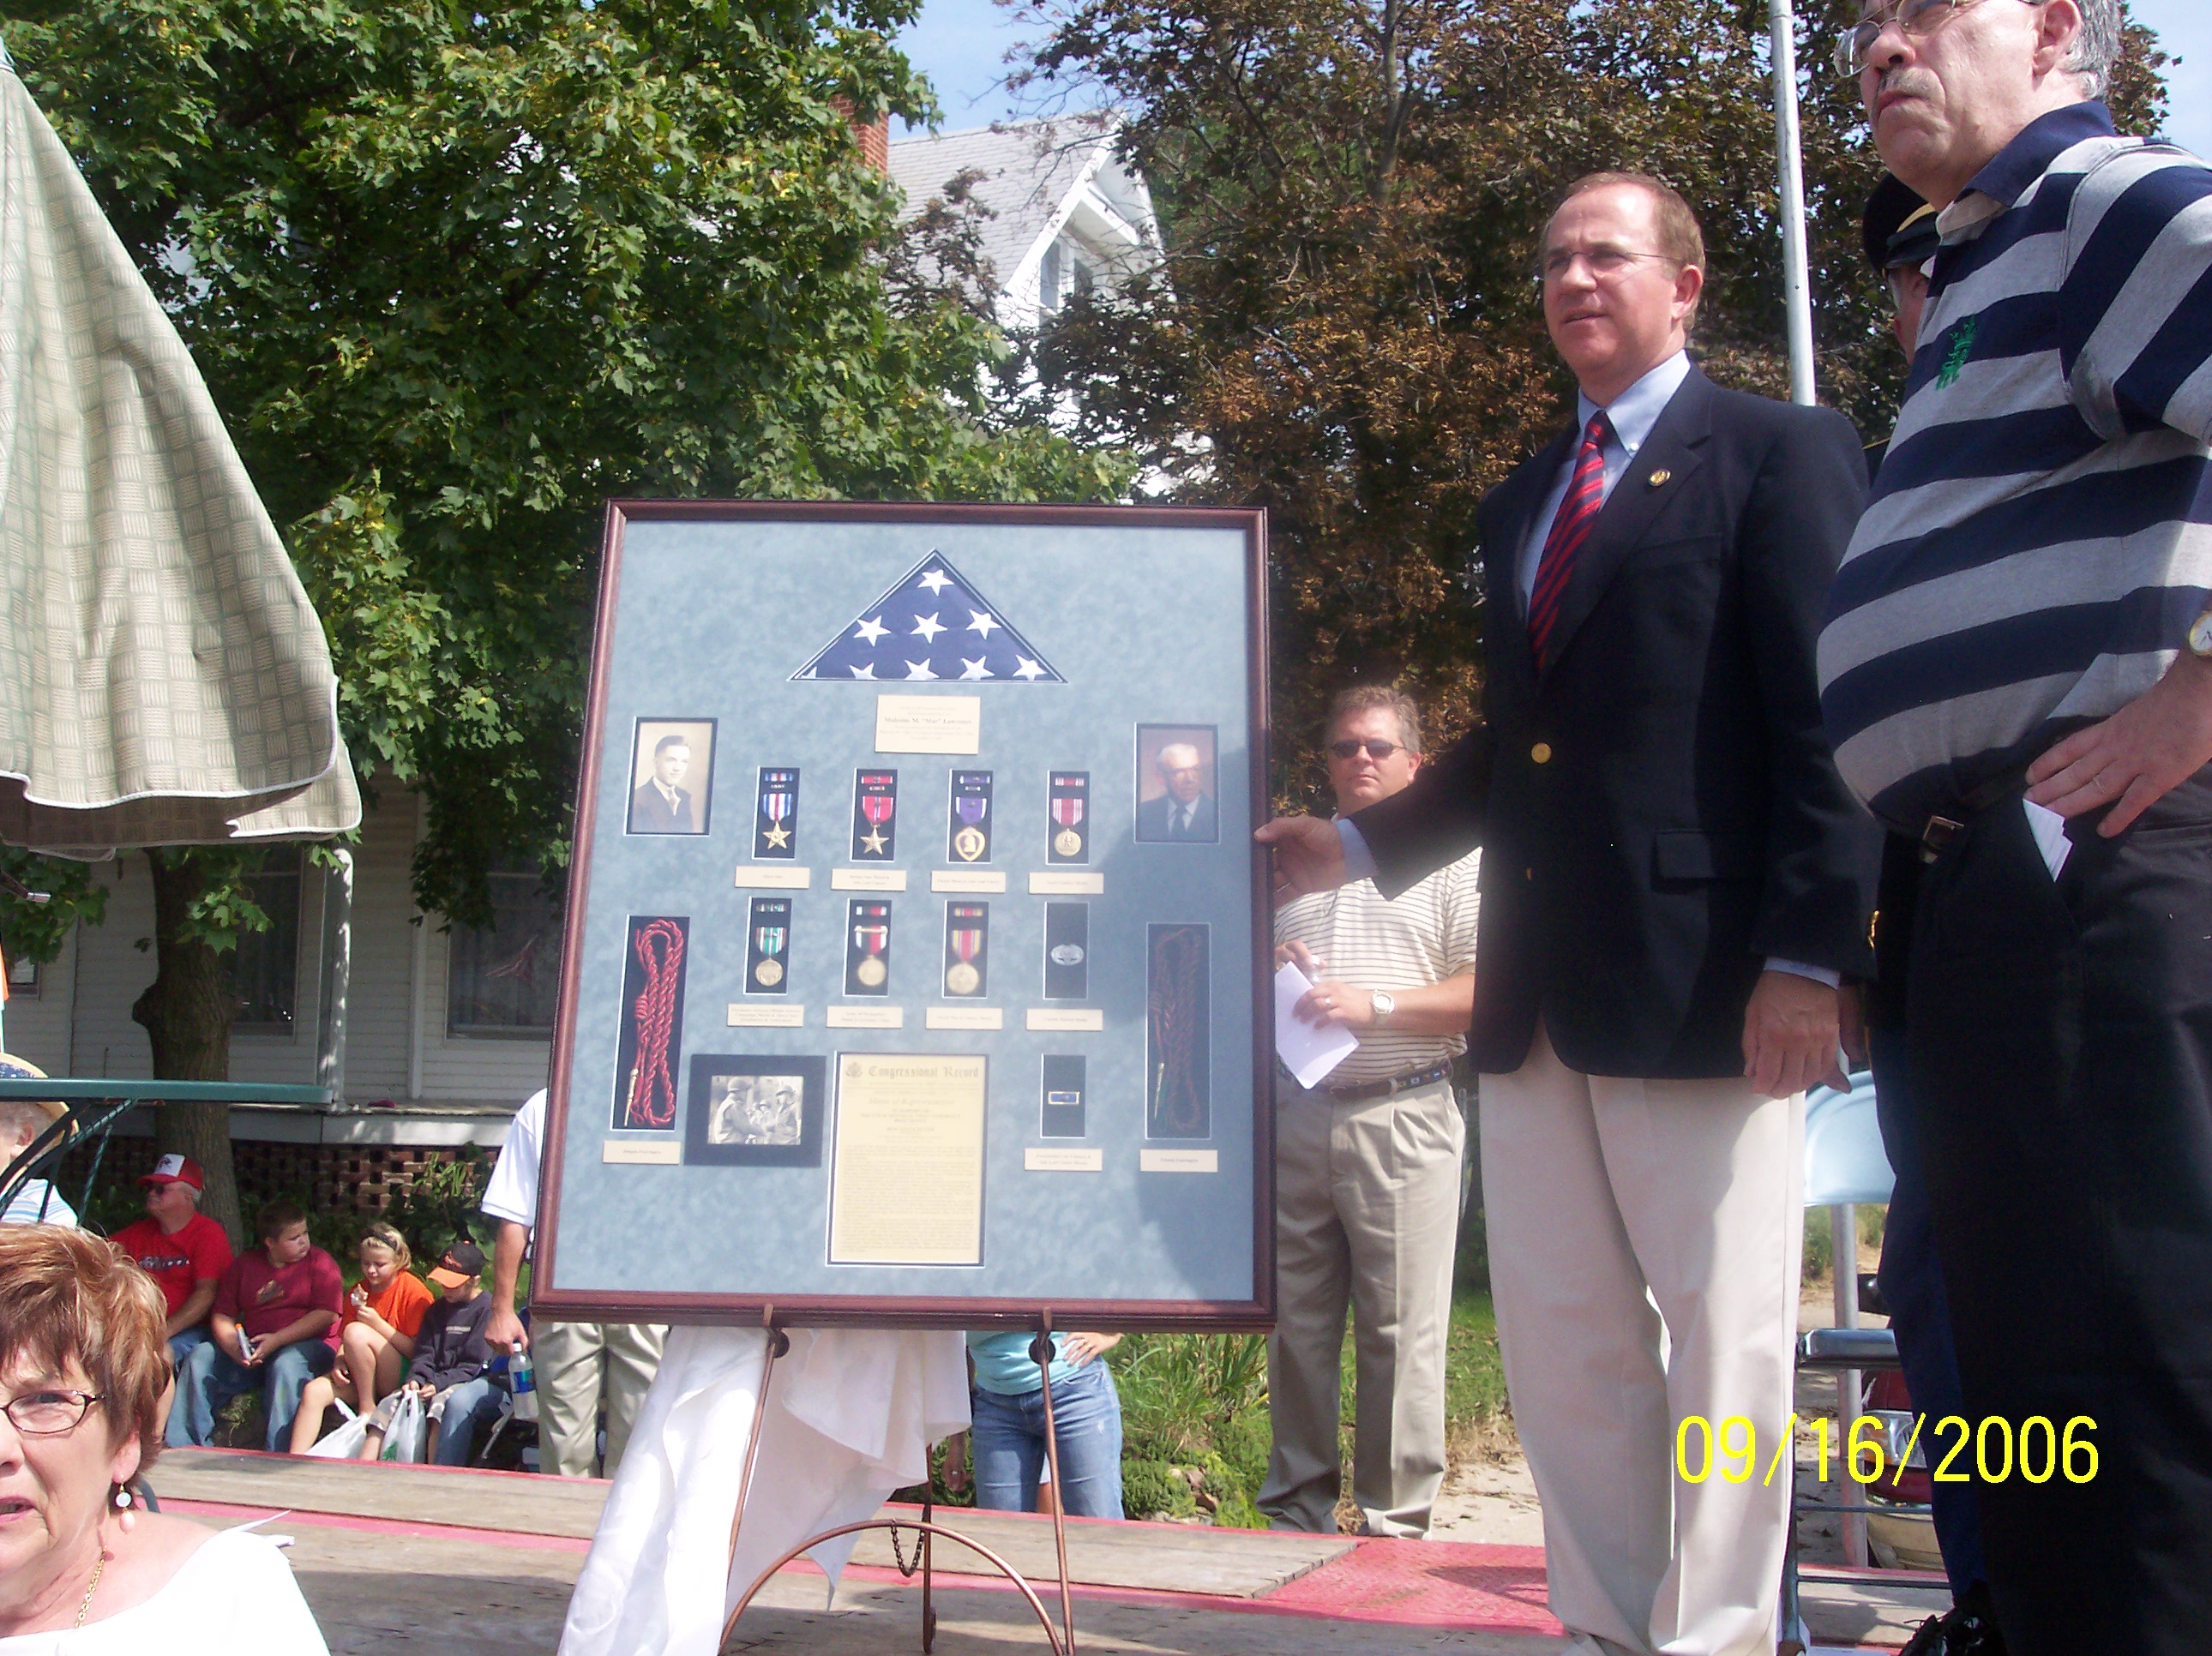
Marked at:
<point>1067,216</point>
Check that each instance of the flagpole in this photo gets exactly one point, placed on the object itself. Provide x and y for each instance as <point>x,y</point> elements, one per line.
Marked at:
<point>1796,286</point>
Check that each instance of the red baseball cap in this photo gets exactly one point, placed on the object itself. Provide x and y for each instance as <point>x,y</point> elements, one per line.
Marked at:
<point>177,1170</point>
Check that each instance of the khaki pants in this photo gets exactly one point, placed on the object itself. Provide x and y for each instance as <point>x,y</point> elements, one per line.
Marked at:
<point>1366,1215</point>
<point>1644,1249</point>
<point>574,1361</point>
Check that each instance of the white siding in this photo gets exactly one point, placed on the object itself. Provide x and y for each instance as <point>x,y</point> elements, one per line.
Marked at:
<point>80,1023</point>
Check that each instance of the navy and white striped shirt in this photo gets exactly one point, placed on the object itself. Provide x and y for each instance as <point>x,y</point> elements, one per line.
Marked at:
<point>2040,537</point>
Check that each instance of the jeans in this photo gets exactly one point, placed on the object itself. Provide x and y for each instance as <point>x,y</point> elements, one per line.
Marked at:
<point>1010,1447</point>
<point>469,1405</point>
<point>183,1344</point>
<point>211,1377</point>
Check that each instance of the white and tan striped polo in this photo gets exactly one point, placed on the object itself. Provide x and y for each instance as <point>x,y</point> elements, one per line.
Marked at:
<point>1420,937</point>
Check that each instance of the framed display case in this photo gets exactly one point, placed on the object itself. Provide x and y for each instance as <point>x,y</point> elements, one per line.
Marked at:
<point>917,951</point>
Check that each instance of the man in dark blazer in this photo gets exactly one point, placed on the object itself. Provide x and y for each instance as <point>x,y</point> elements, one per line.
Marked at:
<point>659,806</point>
<point>1185,812</point>
<point>1673,880</point>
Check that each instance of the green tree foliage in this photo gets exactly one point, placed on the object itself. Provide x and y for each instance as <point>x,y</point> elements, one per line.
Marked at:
<point>457,275</point>
<point>1352,193</point>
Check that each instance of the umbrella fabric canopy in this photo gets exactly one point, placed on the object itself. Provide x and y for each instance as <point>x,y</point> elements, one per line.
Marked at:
<point>163,679</point>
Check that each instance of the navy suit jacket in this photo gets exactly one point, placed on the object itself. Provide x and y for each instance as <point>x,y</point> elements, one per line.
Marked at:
<point>1152,819</point>
<point>649,812</point>
<point>1657,803</point>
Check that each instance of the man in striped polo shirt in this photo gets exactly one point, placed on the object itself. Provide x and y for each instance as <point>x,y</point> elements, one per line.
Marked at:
<point>2017,673</point>
<point>1367,1164</point>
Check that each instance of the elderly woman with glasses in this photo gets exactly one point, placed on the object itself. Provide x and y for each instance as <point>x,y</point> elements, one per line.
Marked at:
<point>83,1573</point>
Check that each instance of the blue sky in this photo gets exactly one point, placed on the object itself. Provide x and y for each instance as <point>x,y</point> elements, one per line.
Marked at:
<point>961,45</point>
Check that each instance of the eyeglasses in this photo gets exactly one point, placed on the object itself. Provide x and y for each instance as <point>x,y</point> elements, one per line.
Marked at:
<point>1377,751</point>
<point>1854,45</point>
<point>1605,263</point>
<point>48,1414</point>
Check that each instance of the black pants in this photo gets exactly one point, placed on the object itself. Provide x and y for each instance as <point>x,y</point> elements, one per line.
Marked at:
<point>2059,1036</point>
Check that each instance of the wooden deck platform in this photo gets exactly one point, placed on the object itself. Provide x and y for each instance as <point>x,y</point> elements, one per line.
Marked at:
<point>401,1559</point>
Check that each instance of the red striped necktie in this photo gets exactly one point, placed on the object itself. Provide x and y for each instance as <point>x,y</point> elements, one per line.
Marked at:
<point>1570,529</point>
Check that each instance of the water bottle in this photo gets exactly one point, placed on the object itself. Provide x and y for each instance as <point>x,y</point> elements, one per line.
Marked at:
<point>522,1377</point>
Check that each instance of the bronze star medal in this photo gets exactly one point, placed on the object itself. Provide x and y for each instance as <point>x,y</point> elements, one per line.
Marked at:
<point>873,840</point>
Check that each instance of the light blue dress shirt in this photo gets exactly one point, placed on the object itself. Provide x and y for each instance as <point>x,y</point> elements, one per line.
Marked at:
<point>1633,412</point>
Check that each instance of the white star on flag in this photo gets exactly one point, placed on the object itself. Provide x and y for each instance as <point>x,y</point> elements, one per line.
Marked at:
<point>907,634</point>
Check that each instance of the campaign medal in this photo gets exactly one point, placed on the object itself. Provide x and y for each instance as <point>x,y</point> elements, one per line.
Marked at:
<point>775,830</point>
<point>875,797</point>
<point>867,946</point>
<point>1066,951</point>
<point>970,827</point>
<point>965,927</point>
<point>768,944</point>
<point>1070,794</point>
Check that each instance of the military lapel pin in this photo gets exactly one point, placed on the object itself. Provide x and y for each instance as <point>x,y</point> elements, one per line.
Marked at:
<point>1658,479</point>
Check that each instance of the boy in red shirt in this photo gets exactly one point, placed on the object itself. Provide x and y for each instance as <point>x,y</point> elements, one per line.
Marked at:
<point>275,1316</point>
<point>183,1251</point>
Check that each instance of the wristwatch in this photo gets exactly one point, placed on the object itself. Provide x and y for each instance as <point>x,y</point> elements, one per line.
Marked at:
<point>1385,1005</point>
<point>2199,637</point>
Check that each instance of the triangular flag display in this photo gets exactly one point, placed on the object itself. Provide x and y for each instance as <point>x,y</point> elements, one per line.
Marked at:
<point>932,625</point>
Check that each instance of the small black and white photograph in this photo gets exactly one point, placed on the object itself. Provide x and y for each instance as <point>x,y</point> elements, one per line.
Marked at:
<point>1175,784</point>
<point>671,772</point>
<point>763,1109</point>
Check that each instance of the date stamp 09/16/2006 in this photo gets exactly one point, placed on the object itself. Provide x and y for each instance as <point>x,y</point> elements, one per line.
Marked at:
<point>2037,1452</point>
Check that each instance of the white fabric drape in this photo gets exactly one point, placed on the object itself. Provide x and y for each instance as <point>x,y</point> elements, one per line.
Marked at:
<point>851,1415</point>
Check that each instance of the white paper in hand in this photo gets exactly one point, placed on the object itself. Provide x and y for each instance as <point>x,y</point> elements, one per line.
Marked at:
<point>1309,1051</point>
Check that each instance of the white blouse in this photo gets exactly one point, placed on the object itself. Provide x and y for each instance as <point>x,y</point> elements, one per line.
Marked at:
<point>236,1579</point>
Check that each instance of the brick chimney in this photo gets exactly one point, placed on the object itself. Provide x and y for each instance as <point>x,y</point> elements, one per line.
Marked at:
<point>874,137</point>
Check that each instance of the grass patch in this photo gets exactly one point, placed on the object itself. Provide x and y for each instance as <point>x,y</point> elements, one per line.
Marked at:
<point>1819,1240</point>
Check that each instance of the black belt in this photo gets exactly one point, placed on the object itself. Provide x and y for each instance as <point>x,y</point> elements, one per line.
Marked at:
<point>1939,831</point>
<point>1390,1084</point>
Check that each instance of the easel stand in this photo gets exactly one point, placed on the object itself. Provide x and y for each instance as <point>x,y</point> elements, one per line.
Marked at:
<point>1060,1642</point>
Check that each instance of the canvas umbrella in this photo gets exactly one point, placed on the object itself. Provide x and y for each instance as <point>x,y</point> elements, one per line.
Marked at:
<point>163,679</point>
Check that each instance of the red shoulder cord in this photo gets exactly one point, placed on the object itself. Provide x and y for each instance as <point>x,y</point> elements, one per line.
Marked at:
<point>652,1088</point>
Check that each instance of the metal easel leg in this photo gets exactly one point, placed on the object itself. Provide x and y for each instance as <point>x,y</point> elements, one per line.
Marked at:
<point>1040,1353</point>
<point>778,1343</point>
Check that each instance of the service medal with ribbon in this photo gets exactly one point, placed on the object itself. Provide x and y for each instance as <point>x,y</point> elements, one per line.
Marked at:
<point>970,829</point>
<point>965,926</point>
<point>768,945</point>
<point>775,827</point>
<point>868,948</point>
<point>1069,796</point>
<point>875,799</point>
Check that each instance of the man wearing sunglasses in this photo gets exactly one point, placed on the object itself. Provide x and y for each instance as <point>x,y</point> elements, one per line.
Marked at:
<point>1673,878</point>
<point>2017,675</point>
<point>1367,1163</point>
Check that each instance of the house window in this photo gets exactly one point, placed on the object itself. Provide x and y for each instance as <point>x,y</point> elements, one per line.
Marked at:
<point>22,979</point>
<point>503,976</point>
<point>264,968</point>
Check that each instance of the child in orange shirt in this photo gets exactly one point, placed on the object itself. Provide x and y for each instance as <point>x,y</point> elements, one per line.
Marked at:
<point>382,1315</point>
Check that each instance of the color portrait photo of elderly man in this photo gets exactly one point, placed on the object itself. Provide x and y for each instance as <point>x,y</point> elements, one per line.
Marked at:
<point>2016,673</point>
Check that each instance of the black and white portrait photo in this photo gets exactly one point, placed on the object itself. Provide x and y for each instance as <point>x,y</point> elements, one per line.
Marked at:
<point>671,775</point>
<point>758,1108</point>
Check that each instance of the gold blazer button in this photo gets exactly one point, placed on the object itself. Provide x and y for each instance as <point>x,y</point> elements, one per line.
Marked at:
<point>1658,478</point>
<point>1541,753</point>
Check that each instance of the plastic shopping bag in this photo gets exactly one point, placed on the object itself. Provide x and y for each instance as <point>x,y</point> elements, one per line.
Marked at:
<point>402,1439</point>
<point>344,1444</point>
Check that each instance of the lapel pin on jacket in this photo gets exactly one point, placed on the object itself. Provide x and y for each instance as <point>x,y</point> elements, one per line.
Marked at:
<point>1658,478</point>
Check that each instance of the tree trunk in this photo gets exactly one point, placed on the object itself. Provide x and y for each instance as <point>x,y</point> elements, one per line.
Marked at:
<point>186,1011</point>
